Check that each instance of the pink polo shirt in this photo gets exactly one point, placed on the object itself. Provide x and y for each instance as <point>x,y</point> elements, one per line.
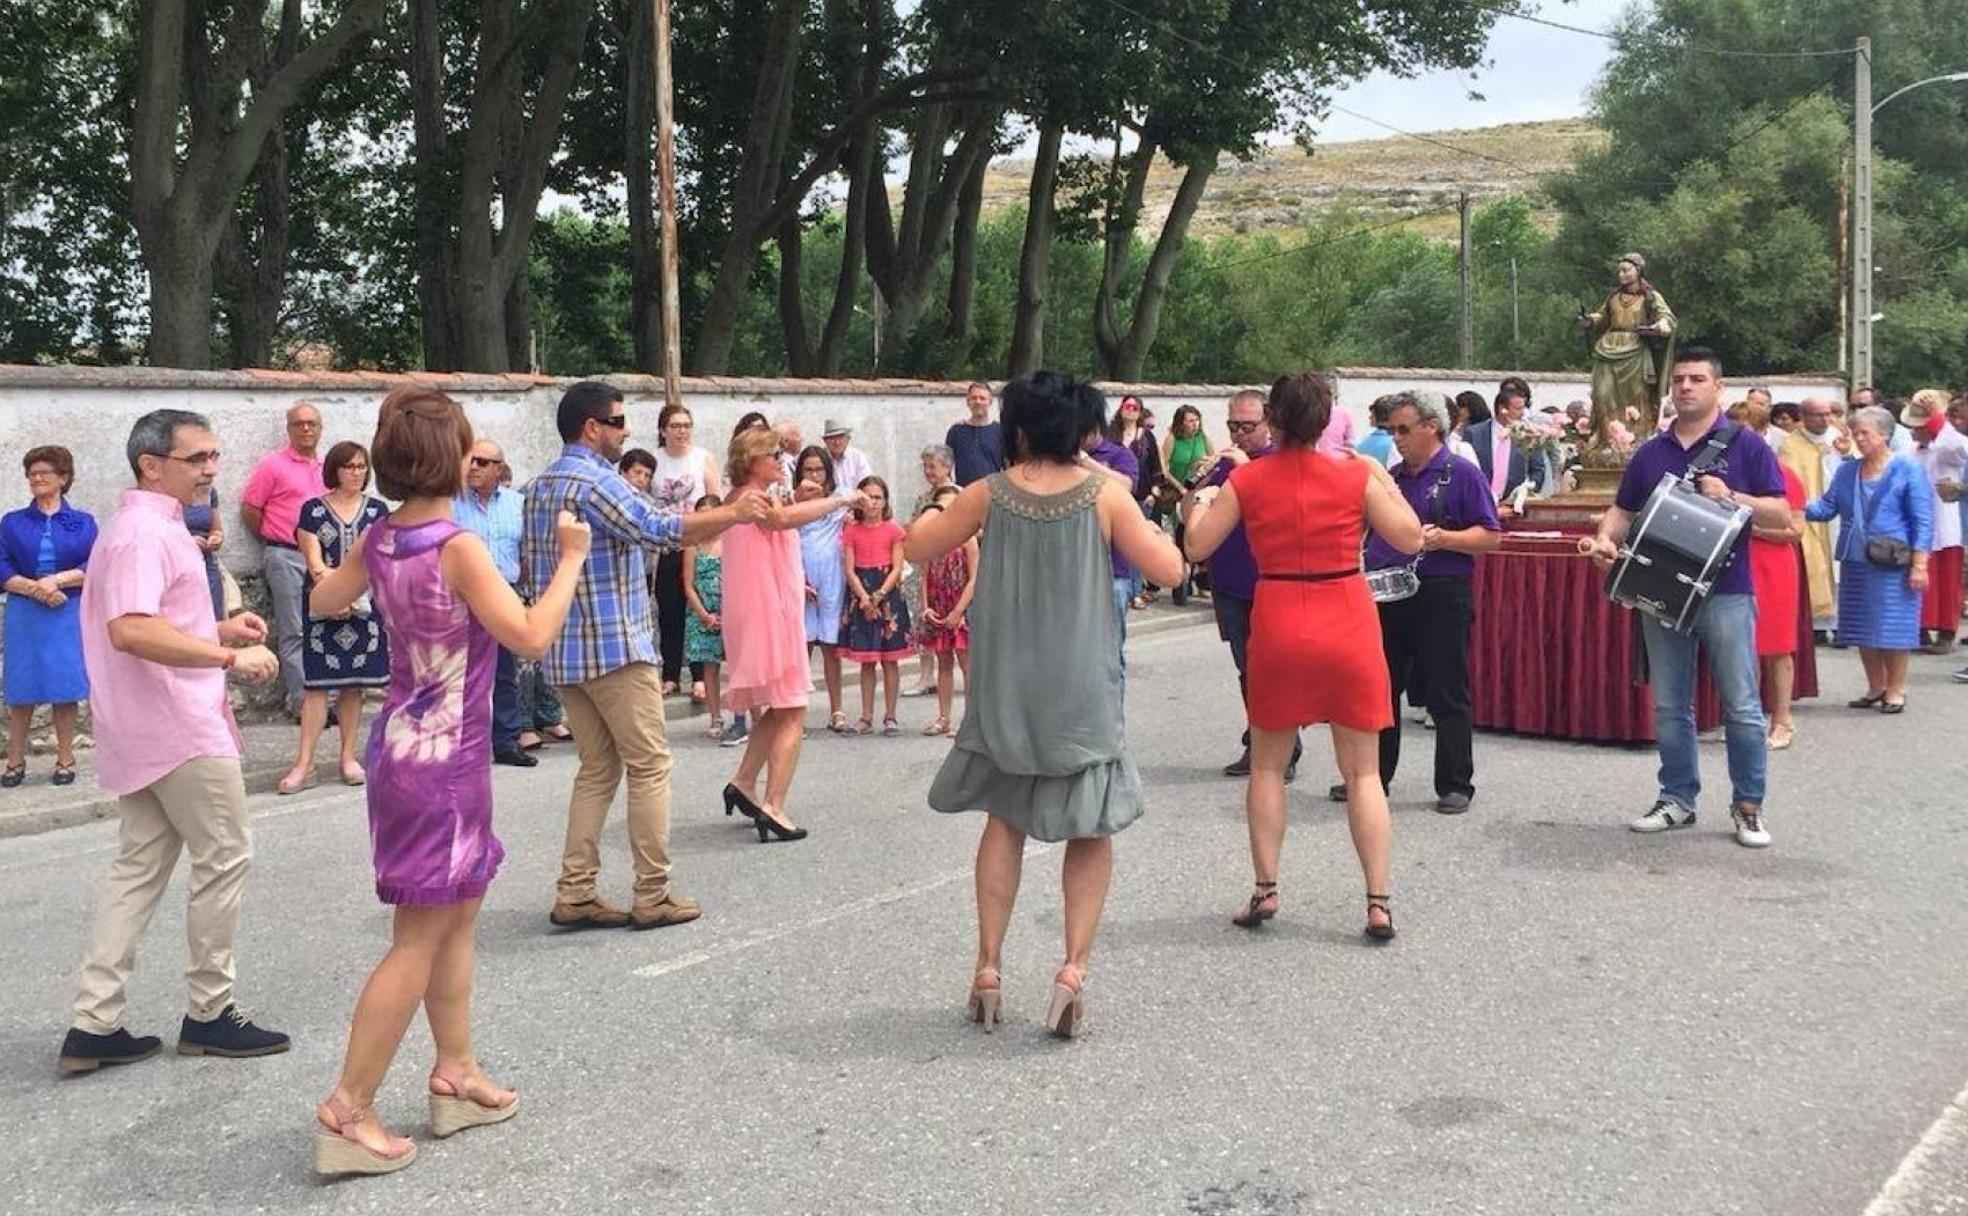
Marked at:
<point>149,718</point>
<point>280,486</point>
<point>1337,438</point>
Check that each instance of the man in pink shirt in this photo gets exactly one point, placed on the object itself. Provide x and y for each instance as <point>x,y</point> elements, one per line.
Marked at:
<point>1505,464</point>
<point>168,748</point>
<point>270,506</point>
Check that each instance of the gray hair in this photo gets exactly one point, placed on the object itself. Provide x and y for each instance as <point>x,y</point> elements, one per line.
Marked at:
<point>157,432</point>
<point>1433,407</point>
<point>941,453</point>
<point>1248,396</point>
<point>1878,417</point>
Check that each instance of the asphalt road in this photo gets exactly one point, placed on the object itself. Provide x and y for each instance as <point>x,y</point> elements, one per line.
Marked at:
<point>1575,1019</point>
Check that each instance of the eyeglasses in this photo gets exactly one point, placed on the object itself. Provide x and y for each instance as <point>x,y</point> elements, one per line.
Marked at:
<point>303,426</point>
<point>484,462</point>
<point>1408,428</point>
<point>678,426</point>
<point>211,457</point>
<point>41,472</point>
<point>1242,428</point>
<point>617,422</point>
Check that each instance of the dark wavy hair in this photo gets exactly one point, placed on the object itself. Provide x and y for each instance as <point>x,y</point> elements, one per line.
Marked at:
<point>1047,415</point>
<point>340,455</point>
<point>826,462</point>
<point>1299,408</point>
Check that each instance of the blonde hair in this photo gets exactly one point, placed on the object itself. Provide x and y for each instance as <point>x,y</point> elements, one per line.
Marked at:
<point>746,446</point>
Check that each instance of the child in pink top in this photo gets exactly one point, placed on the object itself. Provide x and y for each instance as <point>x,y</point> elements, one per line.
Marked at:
<point>875,626</point>
<point>948,585</point>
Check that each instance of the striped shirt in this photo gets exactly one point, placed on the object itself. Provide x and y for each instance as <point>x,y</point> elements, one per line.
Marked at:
<point>610,625</point>
<point>498,522</point>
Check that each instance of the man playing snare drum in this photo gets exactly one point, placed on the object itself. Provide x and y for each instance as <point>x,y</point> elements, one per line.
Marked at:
<point>1746,474</point>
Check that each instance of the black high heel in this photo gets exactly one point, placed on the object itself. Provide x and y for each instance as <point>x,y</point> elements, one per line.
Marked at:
<point>1871,700</point>
<point>770,828</point>
<point>736,799</point>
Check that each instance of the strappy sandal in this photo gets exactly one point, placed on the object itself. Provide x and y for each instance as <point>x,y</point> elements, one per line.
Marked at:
<point>837,723</point>
<point>1263,906</point>
<point>891,728</point>
<point>65,773</point>
<point>983,1002</point>
<point>940,726</point>
<point>1380,933</point>
<point>1782,736</point>
<point>13,776</point>
<point>863,726</point>
<point>1066,1016</point>
<point>338,1152</point>
<point>453,1112</point>
<point>715,733</point>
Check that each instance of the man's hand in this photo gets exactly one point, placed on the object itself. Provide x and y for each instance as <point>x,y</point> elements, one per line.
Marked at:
<point>1841,443</point>
<point>1432,538</point>
<point>751,505</point>
<point>812,593</point>
<point>1714,487</point>
<point>246,629</point>
<point>1601,550</point>
<point>257,665</point>
<point>1234,456</point>
<point>575,536</point>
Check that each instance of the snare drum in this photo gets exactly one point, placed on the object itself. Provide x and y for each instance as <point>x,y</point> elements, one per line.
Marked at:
<point>1391,584</point>
<point>1679,545</point>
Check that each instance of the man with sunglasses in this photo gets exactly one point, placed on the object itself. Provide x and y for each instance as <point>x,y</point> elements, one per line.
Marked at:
<point>1233,569</point>
<point>496,515</point>
<point>606,663</point>
<point>270,506</point>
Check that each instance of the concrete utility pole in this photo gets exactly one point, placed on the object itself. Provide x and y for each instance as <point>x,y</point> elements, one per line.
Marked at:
<point>1468,286</point>
<point>666,207</point>
<point>1862,216</point>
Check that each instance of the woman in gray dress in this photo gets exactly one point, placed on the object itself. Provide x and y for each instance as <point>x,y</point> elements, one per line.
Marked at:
<point>1051,766</point>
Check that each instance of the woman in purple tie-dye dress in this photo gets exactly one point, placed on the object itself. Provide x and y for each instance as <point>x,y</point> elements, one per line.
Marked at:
<point>447,611</point>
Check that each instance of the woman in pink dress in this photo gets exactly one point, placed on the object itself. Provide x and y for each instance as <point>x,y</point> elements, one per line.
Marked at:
<point>766,670</point>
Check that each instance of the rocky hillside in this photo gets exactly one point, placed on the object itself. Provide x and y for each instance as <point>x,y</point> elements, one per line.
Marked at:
<point>1284,188</point>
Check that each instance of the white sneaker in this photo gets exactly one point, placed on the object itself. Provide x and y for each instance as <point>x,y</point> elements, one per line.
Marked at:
<point>1664,817</point>
<point>1750,832</point>
<point>1961,677</point>
<point>735,735</point>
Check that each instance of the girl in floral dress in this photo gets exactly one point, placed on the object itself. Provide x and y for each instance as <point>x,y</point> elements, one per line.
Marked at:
<point>948,584</point>
<point>875,629</point>
<point>703,636</point>
<point>447,611</point>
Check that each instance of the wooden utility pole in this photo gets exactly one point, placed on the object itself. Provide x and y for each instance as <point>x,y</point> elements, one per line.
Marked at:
<point>666,206</point>
<point>1862,313</point>
<point>1468,287</point>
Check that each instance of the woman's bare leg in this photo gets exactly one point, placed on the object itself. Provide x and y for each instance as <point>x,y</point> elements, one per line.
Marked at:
<point>1367,817</point>
<point>1000,862</point>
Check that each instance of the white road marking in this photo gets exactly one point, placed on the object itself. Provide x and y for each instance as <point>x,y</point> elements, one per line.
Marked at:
<point>762,937</point>
<point>1916,1187</point>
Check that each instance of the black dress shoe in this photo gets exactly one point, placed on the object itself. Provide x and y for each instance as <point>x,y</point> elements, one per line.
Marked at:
<point>517,759</point>
<point>1240,767</point>
<point>1453,803</point>
<point>85,1052</point>
<point>1336,793</point>
<point>231,1035</point>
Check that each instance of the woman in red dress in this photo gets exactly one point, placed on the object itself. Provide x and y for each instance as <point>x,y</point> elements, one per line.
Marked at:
<point>1773,572</point>
<point>1315,653</point>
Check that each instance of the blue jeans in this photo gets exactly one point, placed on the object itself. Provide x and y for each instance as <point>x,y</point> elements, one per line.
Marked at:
<point>1727,630</point>
<point>507,722</point>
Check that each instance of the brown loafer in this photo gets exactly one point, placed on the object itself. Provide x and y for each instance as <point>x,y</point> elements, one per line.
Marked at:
<point>589,914</point>
<point>659,913</point>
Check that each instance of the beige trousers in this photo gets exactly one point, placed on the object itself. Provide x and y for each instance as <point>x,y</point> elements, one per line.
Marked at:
<point>618,726</point>
<point>199,806</point>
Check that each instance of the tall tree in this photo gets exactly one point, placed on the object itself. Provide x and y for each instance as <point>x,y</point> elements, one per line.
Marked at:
<point>191,94</point>
<point>524,62</point>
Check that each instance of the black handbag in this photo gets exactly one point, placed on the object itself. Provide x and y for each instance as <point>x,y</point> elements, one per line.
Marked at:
<point>1883,551</point>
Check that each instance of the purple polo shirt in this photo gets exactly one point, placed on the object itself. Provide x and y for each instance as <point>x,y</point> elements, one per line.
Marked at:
<point>1466,502</point>
<point>1233,568</point>
<point>1119,459</point>
<point>1747,466</point>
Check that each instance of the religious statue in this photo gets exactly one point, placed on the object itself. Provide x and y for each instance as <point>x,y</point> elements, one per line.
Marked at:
<point>1632,337</point>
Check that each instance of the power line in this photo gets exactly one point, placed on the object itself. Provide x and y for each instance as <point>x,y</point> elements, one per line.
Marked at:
<point>1510,10</point>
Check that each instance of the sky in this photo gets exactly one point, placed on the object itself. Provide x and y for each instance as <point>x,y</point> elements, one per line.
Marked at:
<point>1531,73</point>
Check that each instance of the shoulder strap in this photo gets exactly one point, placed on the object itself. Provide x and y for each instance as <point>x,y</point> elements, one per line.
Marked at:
<point>1718,442</point>
<point>1440,487</point>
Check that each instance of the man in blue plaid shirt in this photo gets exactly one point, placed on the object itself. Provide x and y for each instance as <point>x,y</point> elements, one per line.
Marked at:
<point>606,663</point>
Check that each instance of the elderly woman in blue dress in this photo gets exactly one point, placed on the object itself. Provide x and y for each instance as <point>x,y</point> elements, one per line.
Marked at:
<point>44,549</point>
<point>341,654</point>
<point>1884,505</point>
